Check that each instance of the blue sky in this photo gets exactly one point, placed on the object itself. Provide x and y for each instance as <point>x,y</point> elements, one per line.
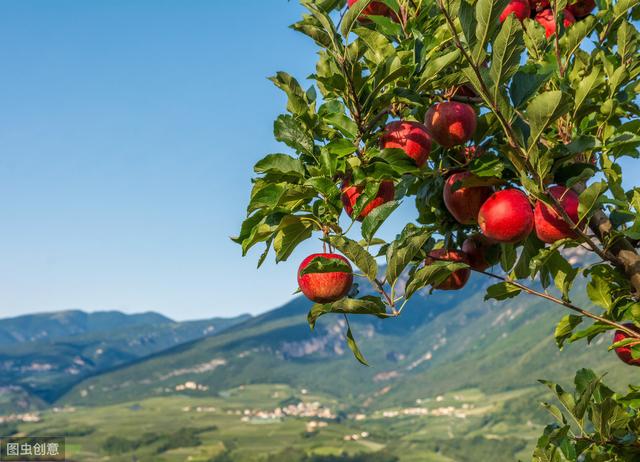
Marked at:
<point>128,130</point>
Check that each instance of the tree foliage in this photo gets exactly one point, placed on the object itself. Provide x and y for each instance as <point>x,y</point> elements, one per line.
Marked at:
<point>559,110</point>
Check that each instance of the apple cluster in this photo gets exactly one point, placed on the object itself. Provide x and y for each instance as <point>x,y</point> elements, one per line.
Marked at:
<point>503,216</point>
<point>542,13</point>
<point>538,10</point>
<point>429,137</point>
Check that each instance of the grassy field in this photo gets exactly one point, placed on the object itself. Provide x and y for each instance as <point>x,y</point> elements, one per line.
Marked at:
<point>454,427</point>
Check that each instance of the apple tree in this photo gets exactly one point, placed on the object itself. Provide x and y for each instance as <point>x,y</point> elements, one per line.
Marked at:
<point>505,123</point>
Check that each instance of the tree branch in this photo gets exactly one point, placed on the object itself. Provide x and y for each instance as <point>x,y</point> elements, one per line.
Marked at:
<point>623,252</point>
<point>564,303</point>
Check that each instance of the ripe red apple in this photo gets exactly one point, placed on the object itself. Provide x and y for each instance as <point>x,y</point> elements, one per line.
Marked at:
<point>545,18</point>
<point>582,8</point>
<point>325,287</point>
<point>411,137</point>
<point>506,216</point>
<point>374,9</point>
<point>464,203</point>
<point>475,248</point>
<point>624,352</point>
<point>550,226</point>
<point>350,195</point>
<point>520,8</point>
<point>472,152</point>
<point>539,5</point>
<point>451,123</point>
<point>457,279</point>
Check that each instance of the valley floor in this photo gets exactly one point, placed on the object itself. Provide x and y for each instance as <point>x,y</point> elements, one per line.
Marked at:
<point>249,423</point>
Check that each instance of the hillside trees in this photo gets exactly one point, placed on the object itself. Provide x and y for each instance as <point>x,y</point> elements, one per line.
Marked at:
<point>530,112</point>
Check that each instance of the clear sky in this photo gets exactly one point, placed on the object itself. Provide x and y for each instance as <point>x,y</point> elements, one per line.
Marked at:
<point>128,130</point>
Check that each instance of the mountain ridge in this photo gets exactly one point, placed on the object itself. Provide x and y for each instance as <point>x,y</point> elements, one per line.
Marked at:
<point>79,345</point>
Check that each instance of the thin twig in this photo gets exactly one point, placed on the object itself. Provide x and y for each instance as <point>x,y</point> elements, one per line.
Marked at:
<point>564,303</point>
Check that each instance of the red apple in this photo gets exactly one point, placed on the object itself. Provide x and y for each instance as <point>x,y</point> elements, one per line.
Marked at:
<point>520,8</point>
<point>451,123</point>
<point>374,9</point>
<point>325,287</point>
<point>539,5</point>
<point>457,279</point>
<point>464,203</point>
<point>582,8</point>
<point>350,195</point>
<point>475,247</point>
<point>545,18</point>
<point>506,216</point>
<point>472,152</point>
<point>624,352</point>
<point>550,226</point>
<point>411,137</point>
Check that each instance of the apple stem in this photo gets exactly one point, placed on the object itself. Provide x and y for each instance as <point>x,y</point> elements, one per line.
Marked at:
<point>383,292</point>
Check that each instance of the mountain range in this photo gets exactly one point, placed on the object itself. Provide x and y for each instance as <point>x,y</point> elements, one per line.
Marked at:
<point>44,355</point>
<point>443,344</point>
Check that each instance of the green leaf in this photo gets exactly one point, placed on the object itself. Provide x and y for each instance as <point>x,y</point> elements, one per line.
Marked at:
<point>353,346</point>
<point>508,257</point>
<point>487,14</point>
<point>627,40</point>
<point>312,28</point>
<point>366,305</point>
<point>379,46</point>
<point>341,147</point>
<point>586,86</point>
<point>502,291</point>
<point>565,398</point>
<point>398,160</point>
<point>590,332</point>
<point>570,174</point>
<point>623,343</point>
<point>467,16</point>
<point>599,292</point>
<point>622,7</point>
<point>590,198</point>
<point>544,109</point>
<point>266,195</point>
<point>433,274</point>
<point>322,264</point>
<point>530,249</point>
<point>293,230</point>
<point>279,163</point>
<point>535,39</point>
<point>506,51</point>
<point>435,66</point>
<point>585,397</point>
<point>574,35</point>
<point>565,328</point>
<point>351,16</point>
<point>487,166</point>
<point>328,163</point>
<point>297,103</point>
<point>357,254</point>
<point>402,252</point>
<point>525,84</point>
<point>342,123</point>
<point>555,412</point>
<point>324,23</point>
<point>376,218</point>
<point>562,271</point>
<point>289,131</point>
